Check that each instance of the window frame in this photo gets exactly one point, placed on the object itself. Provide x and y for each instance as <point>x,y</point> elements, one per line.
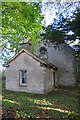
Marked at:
<point>20,78</point>
<point>43,56</point>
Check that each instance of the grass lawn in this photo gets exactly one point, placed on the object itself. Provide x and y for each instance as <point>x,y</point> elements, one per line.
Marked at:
<point>61,103</point>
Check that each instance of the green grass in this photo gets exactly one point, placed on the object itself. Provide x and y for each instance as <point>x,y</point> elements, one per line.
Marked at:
<point>61,103</point>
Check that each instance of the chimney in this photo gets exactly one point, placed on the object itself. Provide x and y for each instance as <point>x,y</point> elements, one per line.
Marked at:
<point>26,45</point>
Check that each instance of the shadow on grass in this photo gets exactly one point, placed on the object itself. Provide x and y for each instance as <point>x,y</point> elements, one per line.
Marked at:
<point>57,104</point>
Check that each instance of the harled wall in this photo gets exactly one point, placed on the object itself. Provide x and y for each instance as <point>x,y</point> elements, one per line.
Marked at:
<point>35,74</point>
<point>64,59</point>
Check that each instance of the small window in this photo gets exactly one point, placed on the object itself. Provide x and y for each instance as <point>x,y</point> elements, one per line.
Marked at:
<point>23,77</point>
<point>43,52</point>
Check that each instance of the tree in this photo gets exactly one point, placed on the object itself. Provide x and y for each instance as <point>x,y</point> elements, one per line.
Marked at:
<point>19,20</point>
<point>52,35</point>
<point>65,28</point>
<point>3,75</point>
<point>75,24</point>
<point>75,27</point>
<point>63,24</point>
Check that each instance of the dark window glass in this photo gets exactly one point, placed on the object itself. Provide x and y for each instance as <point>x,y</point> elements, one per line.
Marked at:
<point>23,77</point>
<point>43,52</point>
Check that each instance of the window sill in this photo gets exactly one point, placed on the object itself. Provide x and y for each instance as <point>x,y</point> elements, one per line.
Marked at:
<point>23,85</point>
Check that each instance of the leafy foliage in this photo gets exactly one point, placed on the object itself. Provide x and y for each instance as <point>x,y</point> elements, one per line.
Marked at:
<point>19,20</point>
<point>3,75</point>
<point>66,25</point>
<point>52,35</point>
<point>75,24</point>
<point>75,27</point>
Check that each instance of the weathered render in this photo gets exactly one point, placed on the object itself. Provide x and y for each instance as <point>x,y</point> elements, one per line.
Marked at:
<point>36,74</point>
<point>64,59</point>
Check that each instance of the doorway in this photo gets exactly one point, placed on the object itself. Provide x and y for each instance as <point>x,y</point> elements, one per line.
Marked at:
<point>54,79</point>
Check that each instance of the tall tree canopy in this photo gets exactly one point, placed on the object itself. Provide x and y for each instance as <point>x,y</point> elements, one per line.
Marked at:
<point>66,24</point>
<point>75,27</point>
<point>19,20</point>
<point>23,19</point>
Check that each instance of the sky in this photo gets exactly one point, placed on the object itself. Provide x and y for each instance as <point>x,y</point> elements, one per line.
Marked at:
<point>49,15</point>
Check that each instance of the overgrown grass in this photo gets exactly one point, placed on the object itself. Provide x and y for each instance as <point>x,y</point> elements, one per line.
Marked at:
<point>61,103</point>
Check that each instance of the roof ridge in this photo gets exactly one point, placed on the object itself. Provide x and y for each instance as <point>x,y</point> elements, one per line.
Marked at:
<point>32,55</point>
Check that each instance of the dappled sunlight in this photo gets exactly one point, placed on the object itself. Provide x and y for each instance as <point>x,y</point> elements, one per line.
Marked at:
<point>14,102</point>
<point>39,102</point>
<point>55,89</point>
<point>43,102</point>
<point>27,105</point>
<point>1,97</point>
<point>58,109</point>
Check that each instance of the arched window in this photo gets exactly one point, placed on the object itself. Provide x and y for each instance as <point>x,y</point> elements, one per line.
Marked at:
<point>43,52</point>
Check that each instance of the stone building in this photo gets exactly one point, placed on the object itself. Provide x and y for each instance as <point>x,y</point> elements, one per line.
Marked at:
<point>63,57</point>
<point>41,71</point>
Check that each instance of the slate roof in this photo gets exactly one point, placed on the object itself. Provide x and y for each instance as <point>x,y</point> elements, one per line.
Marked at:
<point>42,62</point>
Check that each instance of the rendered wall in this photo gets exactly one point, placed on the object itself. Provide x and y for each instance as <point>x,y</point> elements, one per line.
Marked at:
<point>64,60</point>
<point>48,83</point>
<point>35,74</point>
